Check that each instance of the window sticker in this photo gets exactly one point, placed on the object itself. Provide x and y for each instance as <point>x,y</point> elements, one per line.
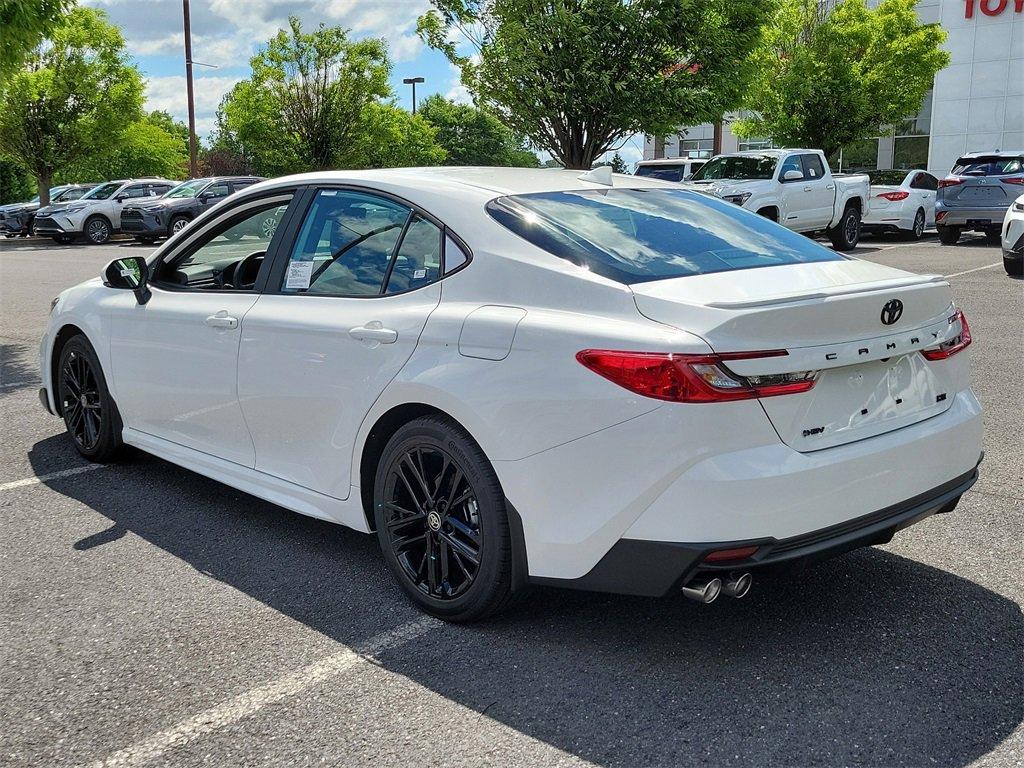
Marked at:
<point>419,274</point>
<point>299,275</point>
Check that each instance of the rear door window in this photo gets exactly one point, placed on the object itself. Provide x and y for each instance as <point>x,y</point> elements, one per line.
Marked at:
<point>812,167</point>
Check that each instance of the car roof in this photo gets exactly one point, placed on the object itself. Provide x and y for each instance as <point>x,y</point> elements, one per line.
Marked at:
<point>993,153</point>
<point>475,181</point>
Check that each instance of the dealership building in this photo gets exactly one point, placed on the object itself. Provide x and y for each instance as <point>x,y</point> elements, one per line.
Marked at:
<point>976,103</point>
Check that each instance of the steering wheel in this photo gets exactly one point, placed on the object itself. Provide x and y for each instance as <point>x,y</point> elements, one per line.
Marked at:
<point>247,270</point>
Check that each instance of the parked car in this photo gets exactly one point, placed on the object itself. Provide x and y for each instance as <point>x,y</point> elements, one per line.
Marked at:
<point>977,193</point>
<point>673,169</point>
<point>901,201</point>
<point>794,187</point>
<point>97,214</point>
<point>1013,238</point>
<point>16,220</point>
<point>623,386</point>
<point>171,213</point>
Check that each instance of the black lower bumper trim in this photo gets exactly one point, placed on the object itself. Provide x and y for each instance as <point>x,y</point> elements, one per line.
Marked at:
<point>656,568</point>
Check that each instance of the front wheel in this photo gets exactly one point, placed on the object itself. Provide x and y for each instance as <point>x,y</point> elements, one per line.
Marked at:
<point>178,223</point>
<point>98,230</point>
<point>89,412</point>
<point>846,234</point>
<point>442,522</point>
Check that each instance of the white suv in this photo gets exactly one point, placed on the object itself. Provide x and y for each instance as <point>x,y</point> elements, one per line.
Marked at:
<point>97,214</point>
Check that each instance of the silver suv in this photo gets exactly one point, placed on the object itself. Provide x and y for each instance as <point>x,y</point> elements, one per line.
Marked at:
<point>97,214</point>
<point>977,193</point>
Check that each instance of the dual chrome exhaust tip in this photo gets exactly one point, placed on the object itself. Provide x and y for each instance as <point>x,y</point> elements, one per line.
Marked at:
<point>708,590</point>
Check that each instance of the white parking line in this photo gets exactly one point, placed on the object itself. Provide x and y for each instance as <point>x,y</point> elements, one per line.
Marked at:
<point>51,476</point>
<point>976,269</point>
<point>250,702</point>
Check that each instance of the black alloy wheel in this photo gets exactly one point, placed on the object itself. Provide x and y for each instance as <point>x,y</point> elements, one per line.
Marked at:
<point>90,415</point>
<point>433,522</point>
<point>80,401</point>
<point>442,520</point>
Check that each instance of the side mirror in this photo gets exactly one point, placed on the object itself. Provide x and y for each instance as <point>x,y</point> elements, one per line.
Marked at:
<point>204,197</point>
<point>792,175</point>
<point>130,273</point>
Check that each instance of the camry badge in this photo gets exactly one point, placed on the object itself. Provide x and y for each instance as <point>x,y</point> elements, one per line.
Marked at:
<point>892,311</point>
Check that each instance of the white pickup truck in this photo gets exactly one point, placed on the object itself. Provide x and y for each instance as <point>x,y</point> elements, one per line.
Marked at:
<point>794,187</point>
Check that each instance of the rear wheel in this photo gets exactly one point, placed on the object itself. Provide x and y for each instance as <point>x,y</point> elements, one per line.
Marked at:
<point>98,230</point>
<point>89,412</point>
<point>948,235</point>
<point>846,234</point>
<point>442,522</point>
<point>917,230</point>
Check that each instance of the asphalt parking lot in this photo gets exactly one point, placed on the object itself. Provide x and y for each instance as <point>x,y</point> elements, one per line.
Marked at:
<point>152,616</point>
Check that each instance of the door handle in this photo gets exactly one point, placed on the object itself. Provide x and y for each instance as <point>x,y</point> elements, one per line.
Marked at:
<point>374,331</point>
<point>808,189</point>
<point>831,186</point>
<point>222,320</point>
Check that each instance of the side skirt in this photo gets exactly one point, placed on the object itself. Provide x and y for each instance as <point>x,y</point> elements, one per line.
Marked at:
<point>267,487</point>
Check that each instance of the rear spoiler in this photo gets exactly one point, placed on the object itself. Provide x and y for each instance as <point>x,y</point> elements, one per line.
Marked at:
<point>916,281</point>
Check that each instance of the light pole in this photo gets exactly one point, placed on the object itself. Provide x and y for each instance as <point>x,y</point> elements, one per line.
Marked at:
<point>192,170</point>
<point>408,81</point>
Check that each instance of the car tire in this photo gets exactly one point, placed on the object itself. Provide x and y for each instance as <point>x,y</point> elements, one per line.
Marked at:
<point>97,230</point>
<point>1013,267</point>
<point>993,236</point>
<point>449,550</point>
<point>917,229</point>
<point>846,234</point>
<point>948,235</point>
<point>90,415</point>
<point>177,224</point>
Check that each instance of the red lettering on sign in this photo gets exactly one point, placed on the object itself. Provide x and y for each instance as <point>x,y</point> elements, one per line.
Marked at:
<point>991,7</point>
<point>988,10</point>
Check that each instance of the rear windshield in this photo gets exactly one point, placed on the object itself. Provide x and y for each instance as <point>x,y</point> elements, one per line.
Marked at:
<point>887,178</point>
<point>666,172</point>
<point>737,167</point>
<point>639,235</point>
<point>986,166</point>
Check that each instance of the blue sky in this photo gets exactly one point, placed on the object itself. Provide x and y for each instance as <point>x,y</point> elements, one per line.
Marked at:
<point>225,33</point>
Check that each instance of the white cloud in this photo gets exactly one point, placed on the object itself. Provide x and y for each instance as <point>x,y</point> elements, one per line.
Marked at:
<point>170,94</point>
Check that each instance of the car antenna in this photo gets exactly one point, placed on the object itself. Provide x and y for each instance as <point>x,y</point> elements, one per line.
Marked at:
<point>600,175</point>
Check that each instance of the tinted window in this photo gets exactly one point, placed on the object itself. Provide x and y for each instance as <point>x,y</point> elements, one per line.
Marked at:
<point>159,190</point>
<point>242,184</point>
<point>737,167</point>
<point>218,190</point>
<point>637,235</point>
<point>188,188</point>
<point>345,244</point>
<point>887,178</point>
<point>663,172</point>
<point>791,163</point>
<point>137,190</point>
<point>926,181</point>
<point>212,264</point>
<point>813,167</point>
<point>72,194</point>
<point>986,166</point>
<point>418,261</point>
<point>102,192</point>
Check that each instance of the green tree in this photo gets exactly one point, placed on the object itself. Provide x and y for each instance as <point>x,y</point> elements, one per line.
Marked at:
<point>152,146</point>
<point>304,108</point>
<point>394,138</point>
<point>23,25</point>
<point>576,76</point>
<point>74,98</point>
<point>16,184</point>
<point>474,136</point>
<point>827,79</point>
<point>617,163</point>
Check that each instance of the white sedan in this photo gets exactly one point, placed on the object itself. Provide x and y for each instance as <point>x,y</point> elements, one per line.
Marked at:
<point>901,201</point>
<point>519,376</point>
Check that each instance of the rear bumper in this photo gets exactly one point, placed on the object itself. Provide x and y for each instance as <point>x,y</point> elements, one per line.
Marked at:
<point>657,568</point>
<point>982,218</point>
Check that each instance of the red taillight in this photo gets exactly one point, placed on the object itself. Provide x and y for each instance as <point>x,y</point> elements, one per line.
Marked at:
<point>692,378</point>
<point>940,215</point>
<point>954,345</point>
<point>726,555</point>
<point>894,196</point>
<point>950,182</point>
<point>1019,180</point>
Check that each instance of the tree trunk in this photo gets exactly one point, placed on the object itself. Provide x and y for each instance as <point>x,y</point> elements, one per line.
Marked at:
<point>45,181</point>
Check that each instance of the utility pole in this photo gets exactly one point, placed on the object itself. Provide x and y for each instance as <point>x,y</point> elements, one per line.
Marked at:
<point>193,171</point>
<point>412,81</point>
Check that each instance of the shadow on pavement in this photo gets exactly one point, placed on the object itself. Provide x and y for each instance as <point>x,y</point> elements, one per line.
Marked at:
<point>870,659</point>
<point>18,369</point>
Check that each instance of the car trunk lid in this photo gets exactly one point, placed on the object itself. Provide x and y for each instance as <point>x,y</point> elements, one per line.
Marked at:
<point>830,317</point>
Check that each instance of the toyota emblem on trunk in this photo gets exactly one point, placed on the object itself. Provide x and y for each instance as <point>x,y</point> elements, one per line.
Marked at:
<point>892,311</point>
